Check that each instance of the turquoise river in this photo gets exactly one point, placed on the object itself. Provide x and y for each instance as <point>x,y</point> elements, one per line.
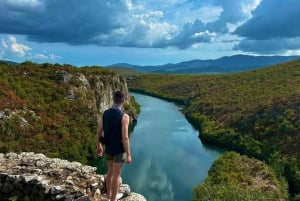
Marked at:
<point>168,159</point>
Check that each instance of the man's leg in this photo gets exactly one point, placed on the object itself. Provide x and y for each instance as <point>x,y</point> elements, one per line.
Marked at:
<point>116,179</point>
<point>109,178</point>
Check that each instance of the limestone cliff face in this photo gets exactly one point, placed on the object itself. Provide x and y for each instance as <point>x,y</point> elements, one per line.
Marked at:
<point>98,88</point>
<point>30,176</point>
<point>55,109</point>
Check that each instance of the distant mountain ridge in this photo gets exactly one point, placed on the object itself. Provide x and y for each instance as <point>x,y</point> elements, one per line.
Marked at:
<point>226,64</point>
<point>8,62</point>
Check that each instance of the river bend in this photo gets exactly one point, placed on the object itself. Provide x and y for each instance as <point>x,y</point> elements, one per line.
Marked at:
<point>169,160</point>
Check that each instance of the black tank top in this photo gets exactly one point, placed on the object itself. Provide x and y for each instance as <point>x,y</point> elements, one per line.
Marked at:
<point>112,126</point>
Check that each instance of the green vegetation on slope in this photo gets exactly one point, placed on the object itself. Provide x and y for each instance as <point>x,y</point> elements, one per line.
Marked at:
<point>255,113</point>
<point>238,178</point>
<point>124,71</point>
<point>50,109</point>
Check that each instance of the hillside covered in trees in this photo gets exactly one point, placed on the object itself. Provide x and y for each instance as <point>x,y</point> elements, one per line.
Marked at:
<point>54,109</point>
<point>256,113</point>
<point>235,177</point>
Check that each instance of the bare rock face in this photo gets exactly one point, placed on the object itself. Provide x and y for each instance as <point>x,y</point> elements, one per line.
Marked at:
<point>103,86</point>
<point>30,176</point>
<point>96,89</point>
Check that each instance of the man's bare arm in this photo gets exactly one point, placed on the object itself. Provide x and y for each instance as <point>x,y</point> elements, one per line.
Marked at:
<point>125,137</point>
<point>99,133</point>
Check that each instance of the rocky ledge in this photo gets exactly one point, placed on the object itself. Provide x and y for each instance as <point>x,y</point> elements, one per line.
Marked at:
<point>30,176</point>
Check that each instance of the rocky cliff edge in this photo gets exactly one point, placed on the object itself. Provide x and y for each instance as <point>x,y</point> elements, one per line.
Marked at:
<point>30,176</point>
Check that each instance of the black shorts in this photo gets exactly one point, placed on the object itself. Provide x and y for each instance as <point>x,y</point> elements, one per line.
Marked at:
<point>119,158</point>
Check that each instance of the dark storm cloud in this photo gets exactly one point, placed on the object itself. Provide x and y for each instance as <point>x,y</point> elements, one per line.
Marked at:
<point>199,32</point>
<point>192,33</point>
<point>76,22</point>
<point>122,23</point>
<point>232,13</point>
<point>270,46</point>
<point>71,21</point>
<point>273,29</point>
<point>273,19</point>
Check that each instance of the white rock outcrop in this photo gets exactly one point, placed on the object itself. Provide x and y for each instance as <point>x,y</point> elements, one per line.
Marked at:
<point>30,176</point>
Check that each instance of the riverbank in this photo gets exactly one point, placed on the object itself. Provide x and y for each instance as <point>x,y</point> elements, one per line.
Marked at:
<point>251,112</point>
<point>248,183</point>
<point>180,101</point>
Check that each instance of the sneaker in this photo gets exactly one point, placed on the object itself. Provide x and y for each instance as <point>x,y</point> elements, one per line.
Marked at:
<point>119,196</point>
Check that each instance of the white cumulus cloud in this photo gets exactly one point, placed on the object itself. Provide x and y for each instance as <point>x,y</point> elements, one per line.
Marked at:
<point>16,47</point>
<point>209,13</point>
<point>12,49</point>
<point>249,6</point>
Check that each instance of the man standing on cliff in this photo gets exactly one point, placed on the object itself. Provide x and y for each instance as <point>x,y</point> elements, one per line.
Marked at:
<point>115,124</point>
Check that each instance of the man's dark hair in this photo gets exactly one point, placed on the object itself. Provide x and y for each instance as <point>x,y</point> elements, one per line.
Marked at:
<point>119,97</point>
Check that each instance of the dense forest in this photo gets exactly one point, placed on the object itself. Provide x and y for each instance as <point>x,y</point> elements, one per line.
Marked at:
<point>235,177</point>
<point>54,109</point>
<point>256,113</point>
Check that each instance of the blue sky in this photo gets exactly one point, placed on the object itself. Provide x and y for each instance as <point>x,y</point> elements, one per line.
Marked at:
<point>144,32</point>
